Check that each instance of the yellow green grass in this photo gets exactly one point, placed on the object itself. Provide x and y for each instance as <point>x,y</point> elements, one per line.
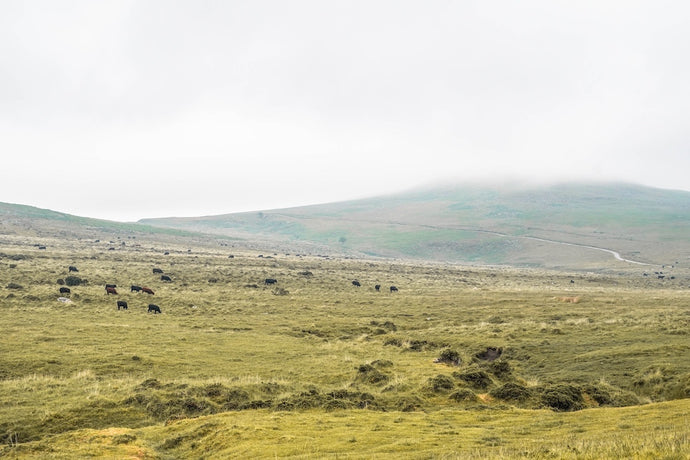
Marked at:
<point>315,367</point>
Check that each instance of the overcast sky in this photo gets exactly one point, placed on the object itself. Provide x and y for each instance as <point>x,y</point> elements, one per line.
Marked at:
<point>131,109</point>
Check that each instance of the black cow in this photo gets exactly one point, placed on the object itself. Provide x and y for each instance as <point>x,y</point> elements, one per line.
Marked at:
<point>157,270</point>
<point>110,286</point>
<point>165,278</point>
<point>356,283</point>
<point>121,304</point>
<point>394,289</point>
<point>135,288</point>
<point>72,268</point>
<point>154,308</point>
<point>64,290</point>
<point>377,287</point>
<point>271,281</point>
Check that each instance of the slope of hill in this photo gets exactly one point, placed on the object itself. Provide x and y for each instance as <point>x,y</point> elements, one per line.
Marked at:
<point>30,221</point>
<point>562,225</point>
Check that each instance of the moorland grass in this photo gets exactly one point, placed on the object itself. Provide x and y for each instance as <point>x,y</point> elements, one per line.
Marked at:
<point>236,368</point>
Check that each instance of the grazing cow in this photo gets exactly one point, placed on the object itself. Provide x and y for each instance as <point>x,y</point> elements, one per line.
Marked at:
<point>157,270</point>
<point>165,278</point>
<point>377,287</point>
<point>121,304</point>
<point>356,283</point>
<point>41,247</point>
<point>64,290</point>
<point>154,308</point>
<point>271,281</point>
<point>135,288</point>
<point>110,290</point>
<point>394,289</point>
<point>147,290</point>
<point>72,268</point>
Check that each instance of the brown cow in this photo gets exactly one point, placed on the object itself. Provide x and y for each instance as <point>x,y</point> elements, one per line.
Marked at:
<point>147,290</point>
<point>110,290</point>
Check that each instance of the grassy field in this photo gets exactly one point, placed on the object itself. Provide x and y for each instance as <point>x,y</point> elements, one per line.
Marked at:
<point>460,362</point>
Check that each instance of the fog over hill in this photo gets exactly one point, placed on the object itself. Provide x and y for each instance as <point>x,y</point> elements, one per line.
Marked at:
<point>585,225</point>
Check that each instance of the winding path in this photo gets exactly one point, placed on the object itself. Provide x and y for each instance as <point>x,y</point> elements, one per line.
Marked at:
<point>610,251</point>
<point>504,235</point>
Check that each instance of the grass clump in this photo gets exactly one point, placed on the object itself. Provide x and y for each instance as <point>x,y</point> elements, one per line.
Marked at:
<point>371,375</point>
<point>440,384</point>
<point>562,397</point>
<point>475,378</point>
<point>463,395</point>
<point>74,281</point>
<point>511,391</point>
<point>450,357</point>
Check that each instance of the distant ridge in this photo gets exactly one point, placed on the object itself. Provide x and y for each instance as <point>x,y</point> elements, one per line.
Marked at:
<point>570,225</point>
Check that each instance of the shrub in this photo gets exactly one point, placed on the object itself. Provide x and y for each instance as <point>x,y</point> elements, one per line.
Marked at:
<point>393,341</point>
<point>234,399</point>
<point>476,378</point>
<point>149,383</point>
<point>563,397</point>
<point>74,281</point>
<point>449,356</point>
<point>511,392</point>
<point>499,368</point>
<point>389,325</point>
<point>490,354</point>
<point>681,390</point>
<point>441,383</point>
<point>463,395</point>
<point>406,403</point>
<point>15,286</point>
<point>369,374</point>
<point>418,345</point>
<point>599,393</point>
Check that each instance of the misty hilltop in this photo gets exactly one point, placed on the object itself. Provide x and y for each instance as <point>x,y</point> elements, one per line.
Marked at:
<point>566,225</point>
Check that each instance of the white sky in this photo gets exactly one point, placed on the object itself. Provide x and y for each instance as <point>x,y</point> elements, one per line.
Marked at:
<point>130,109</point>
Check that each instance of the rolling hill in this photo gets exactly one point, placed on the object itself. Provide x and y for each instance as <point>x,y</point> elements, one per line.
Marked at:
<point>565,225</point>
<point>570,226</point>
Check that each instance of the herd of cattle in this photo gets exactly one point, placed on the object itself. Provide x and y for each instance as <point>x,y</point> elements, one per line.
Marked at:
<point>112,289</point>
<point>377,287</point>
<point>121,304</point>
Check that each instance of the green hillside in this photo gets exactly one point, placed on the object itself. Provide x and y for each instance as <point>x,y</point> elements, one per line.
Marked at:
<point>30,220</point>
<point>495,225</point>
